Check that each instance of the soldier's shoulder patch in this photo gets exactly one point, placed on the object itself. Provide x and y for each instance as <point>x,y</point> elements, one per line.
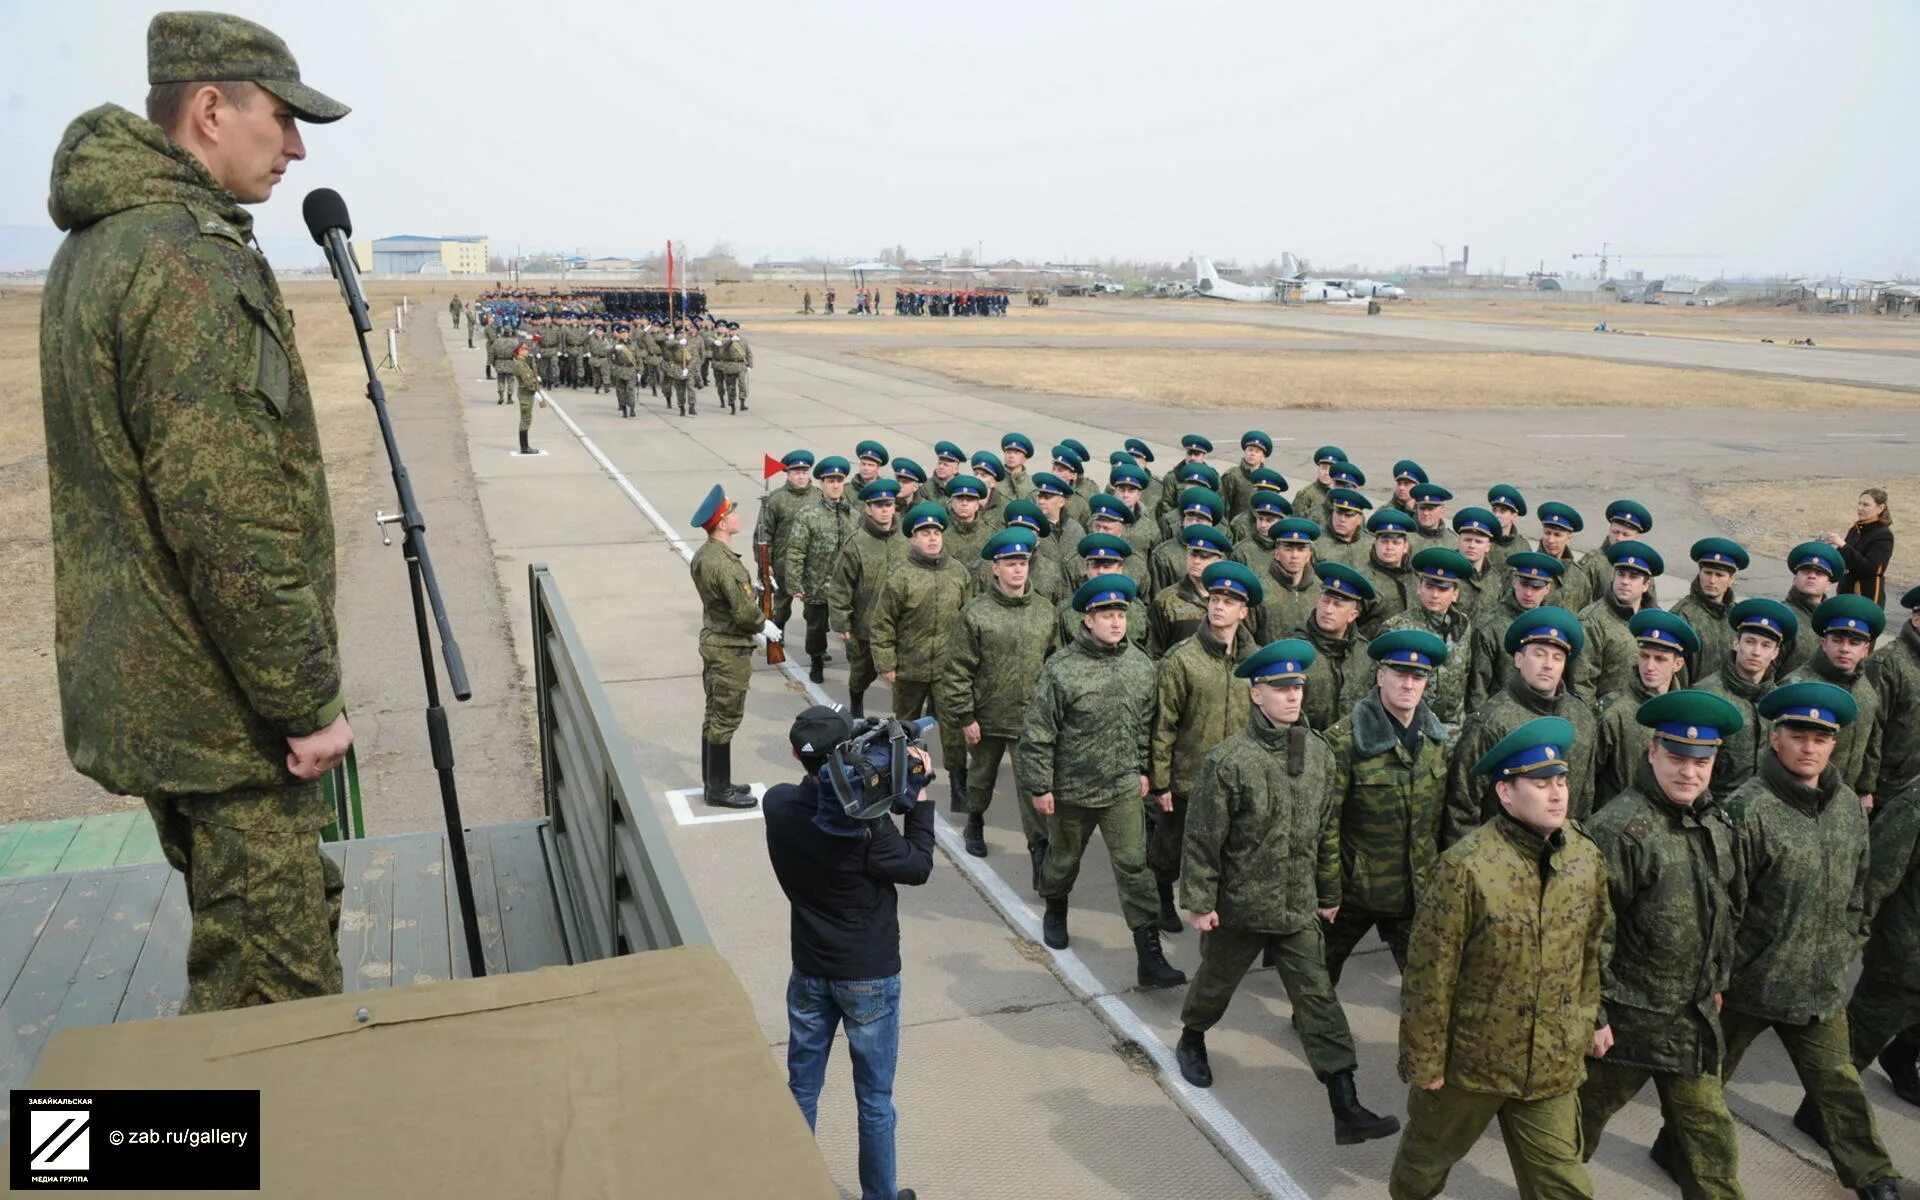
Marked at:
<point>1638,827</point>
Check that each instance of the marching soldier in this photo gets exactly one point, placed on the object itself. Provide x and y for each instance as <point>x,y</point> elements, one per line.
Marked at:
<point>1847,626</point>
<point>1291,587</point>
<point>730,627</point>
<point>735,368</point>
<point>599,349</point>
<point>1385,567</point>
<point>1507,504</point>
<point>1389,789</point>
<point>779,516</point>
<point>999,646</point>
<point>1262,869</point>
<point>1608,663</point>
<point>1747,672</point>
<point>913,622</point>
<point>1541,644</point>
<point>676,372</point>
<point>1337,678</point>
<point>1673,879</point>
<point>1083,759</point>
<point>1530,579</point>
<point>1179,609</point>
<point>873,552</point>
<point>1717,560</point>
<point>1815,566</point>
<point>820,531</point>
<point>623,366</point>
<point>652,355</point>
<point>1503,980</point>
<point>1106,554</point>
<point>1437,574</point>
<point>1664,645</point>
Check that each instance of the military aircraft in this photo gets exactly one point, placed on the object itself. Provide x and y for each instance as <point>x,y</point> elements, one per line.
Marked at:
<point>1207,282</point>
<point>1356,289</point>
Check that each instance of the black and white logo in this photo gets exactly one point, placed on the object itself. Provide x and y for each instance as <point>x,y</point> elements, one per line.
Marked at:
<point>59,1139</point>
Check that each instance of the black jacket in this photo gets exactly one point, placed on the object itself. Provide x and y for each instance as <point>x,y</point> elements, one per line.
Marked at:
<point>1867,551</point>
<point>845,913</point>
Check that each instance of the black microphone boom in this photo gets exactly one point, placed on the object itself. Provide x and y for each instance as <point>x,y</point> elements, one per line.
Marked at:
<point>327,220</point>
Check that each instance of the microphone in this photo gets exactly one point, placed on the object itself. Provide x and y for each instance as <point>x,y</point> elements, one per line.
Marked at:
<point>328,222</point>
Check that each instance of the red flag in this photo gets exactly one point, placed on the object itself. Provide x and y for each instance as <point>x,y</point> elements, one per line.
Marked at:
<point>770,466</point>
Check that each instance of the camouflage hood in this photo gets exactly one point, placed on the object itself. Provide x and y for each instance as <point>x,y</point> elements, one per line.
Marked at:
<point>110,161</point>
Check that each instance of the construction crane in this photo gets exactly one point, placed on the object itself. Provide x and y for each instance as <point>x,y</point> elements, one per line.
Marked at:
<point>1606,252</point>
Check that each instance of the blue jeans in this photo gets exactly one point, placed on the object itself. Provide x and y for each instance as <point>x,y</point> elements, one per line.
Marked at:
<point>871,1010</point>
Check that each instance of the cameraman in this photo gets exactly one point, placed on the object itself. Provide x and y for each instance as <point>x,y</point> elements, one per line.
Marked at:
<point>839,874</point>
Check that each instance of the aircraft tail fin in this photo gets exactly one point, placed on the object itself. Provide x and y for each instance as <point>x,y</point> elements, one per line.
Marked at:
<point>1204,276</point>
<point>1289,266</point>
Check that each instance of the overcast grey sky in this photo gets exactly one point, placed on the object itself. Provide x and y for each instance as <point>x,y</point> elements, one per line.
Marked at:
<point>1772,133</point>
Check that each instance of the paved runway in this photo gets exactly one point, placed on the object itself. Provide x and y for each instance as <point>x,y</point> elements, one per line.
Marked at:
<point>1010,1083</point>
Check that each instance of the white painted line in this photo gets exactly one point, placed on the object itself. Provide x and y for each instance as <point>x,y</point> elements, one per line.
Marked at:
<point>1576,435</point>
<point>1201,1106</point>
<point>682,800</point>
<point>1898,437</point>
<point>535,454</point>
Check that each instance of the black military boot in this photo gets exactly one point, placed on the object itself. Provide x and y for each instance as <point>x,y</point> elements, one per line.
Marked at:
<point>524,447</point>
<point>1053,924</point>
<point>721,792</point>
<point>1169,916</point>
<point>1879,1189</point>
<point>957,784</point>
<point>1353,1122</point>
<point>1154,971</point>
<point>817,669</point>
<point>1191,1053</point>
<point>975,835</point>
<point>1037,851</point>
<point>1661,1152</point>
<point>1807,1120</point>
<point>856,704</point>
<point>1901,1061</point>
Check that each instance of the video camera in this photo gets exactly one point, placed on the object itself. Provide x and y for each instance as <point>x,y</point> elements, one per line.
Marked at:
<point>872,772</point>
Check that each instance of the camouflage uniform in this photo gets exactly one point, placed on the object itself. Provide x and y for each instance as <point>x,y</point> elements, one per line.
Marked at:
<point>1139,625</point>
<point>1672,875</point>
<point>1483,589</point>
<point>1709,620</point>
<point>677,365</point>
<point>598,347</point>
<point>1856,751</point>
<point>1176,614</point>
<point>1356,553</point>
<point>1197,702</point>
<point>1741,749</point>
<point>622,365</point>
<point>1799,649</point>
<point>1471,800</point>
<point>500,357</point>
<point>650,361</point>
<point>193,549</point>
<point>1592,578</point>
<point>1612,652</point>
<point>963,542</point>
<point>1446,690</point>
<point>998,647</point>
<point>1236,489</point>
<point>1488,663</point>
<point>1620,741</point>
<point>1886,1000</point>
<point>819,533</point>
<point>729,617</point>
<point>779,515</point>
<point>1287,606</point>
<point>1502,987</point>
<point>1085,740</point>
<point>1388,801</point>
<point>1056,565</point>
<point>734,364</point>
<point>912,626</point>
<point>1253,548</point>
<point>1804,854</point>
<point>1311,502</point>
<point>526,384</point>
<point>1895,671</point>
<point>868,559</point>
<point>1339,676</point>
<point>1262,850</point>
<point>1392,590</point>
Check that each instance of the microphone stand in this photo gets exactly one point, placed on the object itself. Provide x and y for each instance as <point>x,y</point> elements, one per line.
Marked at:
<point>426,591</point>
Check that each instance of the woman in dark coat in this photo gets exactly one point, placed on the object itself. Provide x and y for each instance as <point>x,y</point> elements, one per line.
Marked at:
<point>1867,548</point>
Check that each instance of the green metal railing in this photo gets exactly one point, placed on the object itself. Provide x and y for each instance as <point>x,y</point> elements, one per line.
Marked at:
<point>626,887</point>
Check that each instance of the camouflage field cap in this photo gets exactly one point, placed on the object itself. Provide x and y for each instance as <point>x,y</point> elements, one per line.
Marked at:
<point>196,47</point>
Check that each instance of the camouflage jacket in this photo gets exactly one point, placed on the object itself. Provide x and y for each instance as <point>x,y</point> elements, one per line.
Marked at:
<point>1340,675</point>
<point>193,545</point>
<point>1470,798</point>
<point>1740,750</point>
<point>1019,483</point>
<point>913,623</point>
<point>963,542</point>
<point>678,358</point>
<point>622,362</point>
<point>1591,576</point>
<point>1176,612</point>
<point>998,647</point>
<point>1709,620</point>
<point>729,613</point>
<point>1611,654</point>
<point>733,357</point>
<point>1893,893</point>
<point>1620,741</point>
<point>1197,702</point>
<point>819,533</point>
<point>868,559</point>
<point>1166,564</point>
<point>1504,548</point>
<point>1262,846</point>
<point>1446,691</point>
<point>1139,625</point>
<point>1311,502</point>
<point>1253,548</point>
<point>1287,605</point>
<point>1056,564</point>
<point>1856,751</point>
<point>1393,592</point>
<point>1085,737</point>
<point>1236,488</point>
<point>1488,663</point>
<point>500,348</point>
<point>1482,591</point>
<point>1356,553</point>
<point>1389,801</point>
<point>1895,671</point>
<point>1802,647</point>
<point>1673,875</point>
<point>1503,966</point>
<point>779,516</point>
<point>1804,854</point>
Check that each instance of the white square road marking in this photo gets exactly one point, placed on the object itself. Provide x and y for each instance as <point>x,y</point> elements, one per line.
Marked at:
<point>683,800</point>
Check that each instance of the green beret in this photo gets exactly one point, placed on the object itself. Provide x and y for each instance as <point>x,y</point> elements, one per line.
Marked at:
<point>1253,437</point>
<point>1690,723</point>
<point>1282,664</point>
<point>1390,522</point>
<point>1233,579</point>
<point>832,467</point>
<point>1107,547</point>
<point>1636,556</point>
<point>1015,542</point>
<point>1661,630</point>
<point>1438,564</point>
<point>924,514</point>
<point>880,490</point>
<point>1415,650</point>
<point>1199,498</point>
<point>1853,615</point>
<point>1548,624</point>
<point>1537,748</point>
<point>1531,564</point>
<point>1810,702</point>
<point>1817,555</point>
<point>1630,512</point>
<point>1719,552</point>
<point>1474,519</point>
<point>1208,539</point>
<point>1339,579</point>
<point>1112,590</point>
<point>1294,529</point>
<point>1555,515</point>
<point>871,450</point>
<point>1763,616</point>
<point>906,468</point>
<point>1348,499</point>
<point>1508,496</point>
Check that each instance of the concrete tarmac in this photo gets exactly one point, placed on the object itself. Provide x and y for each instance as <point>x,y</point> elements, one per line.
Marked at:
<point>1011,1083</point>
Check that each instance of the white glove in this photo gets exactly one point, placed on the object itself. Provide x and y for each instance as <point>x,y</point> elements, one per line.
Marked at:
<point>771,633</point>
<point>759,641</point>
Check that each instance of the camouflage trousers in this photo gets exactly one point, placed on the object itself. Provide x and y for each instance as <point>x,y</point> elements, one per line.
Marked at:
<point>1168,840</point>
<point>623,390</point>
<point>1822,1056</point>
<point>265,900</point>
<point>983,773</point>
<point>1353,923</point>
<point>1542,1137</point>
<point>1070,828</point>
<point>597,371</point>
<point>1706,1151</point>
<point>783,607</point>
<point>674,390</point>
<point>508,385</point>
<point>724,673</point>
<point>815,615</point>
<point>723,387</point>
<point>1880,1011</point>
<point>1225,955</point>
<point>912,698</point>
<point>860,672</point>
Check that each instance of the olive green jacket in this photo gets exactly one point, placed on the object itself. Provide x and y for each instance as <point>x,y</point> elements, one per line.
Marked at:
<point>1620,742</point>
<point>1803,645</point>
<point>919,609</point>
<point>1470,798</point>
<point>1197,702</point>
<point>779,516</point>
<point>1488,663</point>
<point>1085,738</point>
<point>1393,593</point>
<point>1895,671</point>
<point>1740,750</point>
<point>729,612</point>
<point>1893,893</point>
<point>1611,653</point>
<point>998,647</point>
<point>1286,605</point>
<point>1856,751</point>
<point>1390,800</point>
<point>819,533</point>
<point>1175,614</point>
<point>1446,690</point>
<point>1341,673</point>
<point>1263,845</point>
<point>1139,625</point>
<point>1504,963</point>
<point>1709,620</point>
<point>869,558</point>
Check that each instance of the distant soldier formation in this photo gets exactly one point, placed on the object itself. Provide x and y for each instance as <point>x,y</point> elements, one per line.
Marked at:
<point>1609,844</point>
<point>946,302</point>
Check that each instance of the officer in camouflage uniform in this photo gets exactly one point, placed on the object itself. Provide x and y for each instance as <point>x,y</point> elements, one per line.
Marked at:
<point>1847,627</point>
<point>1473,530</point>
<point>676,371</point>
<point>1503,981</point>
<point>527,390</point>
<point>1389,788</point>
<point>873,552</point>
<point>1674,880</point>
<point>1291,587</point>
<point>1168,565</point>
<point>1386,568</point>
<point>734,368</point>
<point>1437,574</point>
<point>780,515</point>
<point>1339,674</point>
<point>819,532</point>
<point>650,358</point>
<point>1254,546</point>
<point>500,347</point>
<point>1197,702</point>
<point>913,623</point>
<point>1430,516</point>
<point>1311,501</point>
<point>1406,474</point>
<point>1542,645</point>
<point>991,472</point>
<point>1070,468</point>
<point>871,456</point>
<point>1174,513</point>
<point>948,459</point>
<point>1262,870</point>
<point>1760,628</point>
<point>1558,523</point>
<point>967,528</point>
<point>1142,456</point>
<point>622,366</point>
<point>1236,486</point>
<point>1530,579</point>
<point>1607,665</point>
<point>1015,450</point>
<point>1664,644</point>
<point>1105,554</point>
<point>1083,758</point>
<point>1815,566</point>
<point>1507,505</point>
<point>1627,520</point>
<point>1717,560</point>
<point>730,627</point>
<point>1804,853</point>
<point>598,347</point>
<point>1178,610</point>
<point>193,547</point>
<point>1344,539</point>
<point>1055,558</point>
<point>1112,515</point>
<point>453,313</point>
<point>999,644</point>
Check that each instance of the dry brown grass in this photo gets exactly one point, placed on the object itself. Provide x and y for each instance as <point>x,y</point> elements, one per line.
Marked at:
<point>36,780</point>
<point>1335,379</point>
<point>1771,516</point>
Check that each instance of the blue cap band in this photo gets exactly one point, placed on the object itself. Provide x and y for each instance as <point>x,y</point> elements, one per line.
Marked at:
<point>1556,522</point>
<point>1280,668</point>
<point>1663,638</point>
<point>1229,585</point>
<point>1717,559</point>
<point>1848,625</point>
<point>1110,599</point>
<point>1535,760</point>
<point>1438,575</point>
<point>1755,623</point>
<point>1692,735</point>
<point>1809,714</point>
<point>1106,553</point>
<point>1633,562</point>
<point>1334,585</point>
<point>1552,635</point>
<point>1474,525</point>
<point>1406,658</point>
<point>1014,549</point>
